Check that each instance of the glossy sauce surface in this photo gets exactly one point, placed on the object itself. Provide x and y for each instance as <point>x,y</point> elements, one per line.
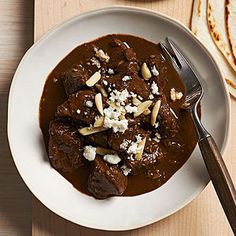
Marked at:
<point>54,94</point>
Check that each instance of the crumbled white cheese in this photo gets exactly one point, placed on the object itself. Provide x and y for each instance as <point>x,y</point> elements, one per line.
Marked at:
<point>174,95</point>
<point>89,153</point>
<point>151,96</point>
<point>101,55</point>
<point>86,113</point>
<point>131,109</point>
<point>138,138</point>
<point>78,111</point>
<point>105,82</point>
<point>89,103</point>
<point>95,62</point>
<point>117,96</point>
<point>126,44</point>
<point>154,87</point>
<point>116,125</point>
<point>110,71</point>
<point>154,71</point>
<point>133,95</point>
<point>127,78</point>
<point>140,97</point>
<point>126,171</point>
<point>124,145</point>
<point>112,159</point>
<point>112,120</point>
<point>134,147</point>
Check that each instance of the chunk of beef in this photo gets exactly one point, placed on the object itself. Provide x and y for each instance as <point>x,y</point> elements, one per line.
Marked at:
<point>151,155</point>
<point>130,55</point>
<point>77,108</point>
<point>74,79</point>
<point>106,180</point>
<point>128,68</point>
<point>168,123</point>
<point>99,139</point>
<point>65,147</point>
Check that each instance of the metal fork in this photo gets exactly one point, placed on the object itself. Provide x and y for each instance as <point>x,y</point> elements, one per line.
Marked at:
<point>214,162</point>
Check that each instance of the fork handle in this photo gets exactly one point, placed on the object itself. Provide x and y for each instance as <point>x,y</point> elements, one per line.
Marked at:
<point>220,178</point>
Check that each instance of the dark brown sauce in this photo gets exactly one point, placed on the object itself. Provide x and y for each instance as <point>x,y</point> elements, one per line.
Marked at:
<point>54,94</point>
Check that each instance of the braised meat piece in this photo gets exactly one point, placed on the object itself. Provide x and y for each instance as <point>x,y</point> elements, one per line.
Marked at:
<point>80,107</point>
<point>106,180</point>
<point>65,147</point>
<point>99,139</point>
<point>168,123</point>
<point>74,79</point>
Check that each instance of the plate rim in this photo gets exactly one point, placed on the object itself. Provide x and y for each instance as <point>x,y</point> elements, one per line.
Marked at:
<point>140,10</point>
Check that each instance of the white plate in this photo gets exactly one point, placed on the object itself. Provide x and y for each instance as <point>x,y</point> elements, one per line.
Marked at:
<point>56,193</point>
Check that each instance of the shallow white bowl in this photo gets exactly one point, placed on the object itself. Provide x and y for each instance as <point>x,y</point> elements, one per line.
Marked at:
<point>25,138</point>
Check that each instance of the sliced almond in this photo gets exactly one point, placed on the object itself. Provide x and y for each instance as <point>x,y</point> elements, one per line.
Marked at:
<point>142,107</point>
<point>136,101</point>
<point>102,90</point>
<point>93,79</point>
<point>155,111</point>
<point>104,151</point>
<point>146,73</point>
<point>99,122</point>
<point>141,145</point>
<point>112,104</point>
<point>91,130</point>
<point>98,102</point>
<point>122,117</point>
<point>147,112</point>
<point>101,55</point>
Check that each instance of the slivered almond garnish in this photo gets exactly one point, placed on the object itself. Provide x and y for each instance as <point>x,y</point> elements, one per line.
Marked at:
<point>155,111</point>
<point>101,55</point>
<point>91,130</point>
<point>104,151</point>
<point>146,112</point>
<point>112,104</point>
<point>102,90</point>
<point>135,101</point>
<point>142,107</point>
<point>99,122</point>
<point>122,117</point>
<point>98,102</point>
<point>141,145</point>
<point>146,73</point>
<point>93,79</point>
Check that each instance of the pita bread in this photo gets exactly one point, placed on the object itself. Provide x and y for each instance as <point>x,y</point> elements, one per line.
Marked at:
<point>230,18</point>
<point>200,29</point>
<point>217,29</point>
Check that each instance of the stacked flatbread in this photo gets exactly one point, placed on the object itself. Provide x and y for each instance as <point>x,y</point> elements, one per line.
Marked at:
<point>214,23</point>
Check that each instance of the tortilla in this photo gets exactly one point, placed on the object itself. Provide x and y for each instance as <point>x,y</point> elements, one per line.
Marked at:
<point>200,29</point>
<point>230,20</point>
<point>217,29</point>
